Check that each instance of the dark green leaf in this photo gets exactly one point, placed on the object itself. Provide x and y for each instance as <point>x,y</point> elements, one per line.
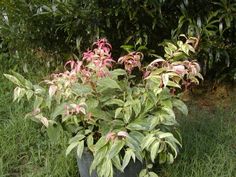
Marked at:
<point>162,157</point>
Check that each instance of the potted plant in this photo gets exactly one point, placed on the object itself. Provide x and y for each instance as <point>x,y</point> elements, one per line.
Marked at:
<point>116,119</point>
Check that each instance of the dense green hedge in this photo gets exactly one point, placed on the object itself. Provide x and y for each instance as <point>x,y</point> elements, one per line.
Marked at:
<point>66,26</point>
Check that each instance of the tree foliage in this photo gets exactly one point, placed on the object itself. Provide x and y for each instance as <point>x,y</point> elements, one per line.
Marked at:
<point>66,26</point>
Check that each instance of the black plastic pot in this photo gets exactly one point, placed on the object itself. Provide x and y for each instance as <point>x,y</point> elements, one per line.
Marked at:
<point>132,170</point>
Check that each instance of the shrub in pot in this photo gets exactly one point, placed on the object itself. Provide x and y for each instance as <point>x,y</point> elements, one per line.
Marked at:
<point>111,113</point>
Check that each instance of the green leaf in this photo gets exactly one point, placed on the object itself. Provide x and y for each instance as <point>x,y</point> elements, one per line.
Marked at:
<point>28,84</point>
<point>162,157</point>
<point>162,135</point>
<point>38,89</point>
<point>80,149</point>
<point>101,142</point>
<point>71,147</point>
<point>29,94</point>
<point>117,112</point>
<point>76,138</point>
<point>128,154</point>
<point>19,76</point>
<point>180,43</point>
<point>132,143</point>
<point>181,106</point>
<point>107,83</point>
<point>106,169</point>
<point>19,80</point>
<point>154,121</point>
<point>141,48</point>
<point>52,90</point>
<point>136,107</point>
<point>98,113</point>
<point>117,124</point>
<point>18,93</point>
<point>165,79</point>
<point>139,124</point>
<point>90,141</point>
<point>154,149</point>
<point>136,126</point>
<point>99,156</point>
<point>143,173</point>
<point>48,102</point>
<point>171,46</point>
<point>167,105</point>
<point>179,56</point>
<point>152,174</point>
<point>168,51</point>
<point>114,102</point>
<point>138,136</point>
<point>13,79</point>
<point>92,103</point>
<point>185,48</point>
<point>170,158</point>
<point>161,147</point>
<point>173,146</point>
<point>173,84</point>
<point>167,113</point>
<point>127,114</point>
<point>127,48</point>
<point>37,102</point>
<point>118,72</point>
<point>115,148</point>
<point>147,141</point>
<point>59,110</point>
<point>80,89</point>
<point>191,48</point>
<point>42,119</point>
<point>116,162</point>
<point>139,41</point>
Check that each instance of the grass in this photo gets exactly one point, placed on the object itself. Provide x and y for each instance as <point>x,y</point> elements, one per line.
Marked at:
<point>25,150</point>
<point>209,145</point>
<point>208,137</point>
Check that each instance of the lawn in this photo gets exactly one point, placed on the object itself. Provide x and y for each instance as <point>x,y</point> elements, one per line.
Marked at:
<point>209,142</point>
<point>25,149</point>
